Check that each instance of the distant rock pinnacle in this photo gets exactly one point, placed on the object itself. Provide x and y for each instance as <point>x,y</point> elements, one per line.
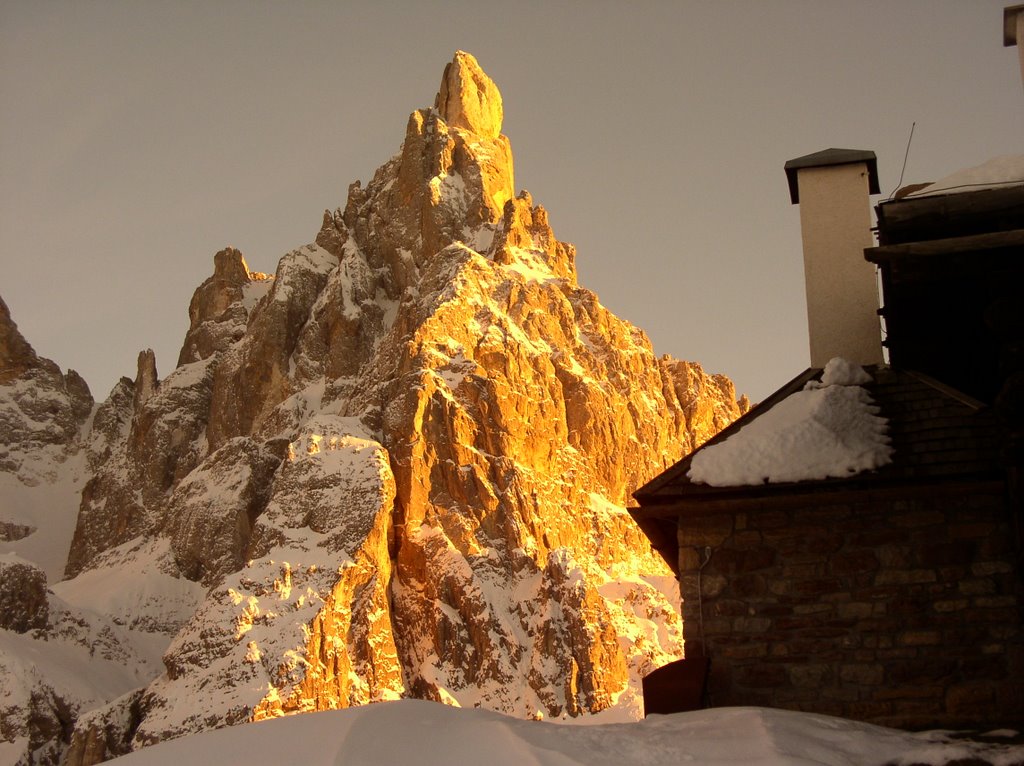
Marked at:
<point>468,98</point>
<point>42,410</point>
<point>16,355</point>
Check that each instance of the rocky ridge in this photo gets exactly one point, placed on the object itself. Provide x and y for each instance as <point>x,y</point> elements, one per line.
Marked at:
<point>42,410</point>
<point>396,468</point>
<point>65,647</point>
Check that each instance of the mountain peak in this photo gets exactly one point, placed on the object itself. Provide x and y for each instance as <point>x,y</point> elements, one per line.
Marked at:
<point>16,355</point>
<point>395,469</point>
<point>42,412</point>
<point>468,98</point>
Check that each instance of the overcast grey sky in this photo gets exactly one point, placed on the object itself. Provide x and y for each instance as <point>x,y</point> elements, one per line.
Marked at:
<point>138,138</point>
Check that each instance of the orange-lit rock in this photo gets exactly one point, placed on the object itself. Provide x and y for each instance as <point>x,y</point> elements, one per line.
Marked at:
<point>468,99</point>
<point>218,311</point>
<point>402,467</point>
<point>708,402</point>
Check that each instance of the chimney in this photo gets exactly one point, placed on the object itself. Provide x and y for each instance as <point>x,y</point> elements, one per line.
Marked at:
<point>1013,32</point>
<point>832,189</point>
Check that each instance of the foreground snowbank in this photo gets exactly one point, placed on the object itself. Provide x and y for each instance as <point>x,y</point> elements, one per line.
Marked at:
<point>429,734</point>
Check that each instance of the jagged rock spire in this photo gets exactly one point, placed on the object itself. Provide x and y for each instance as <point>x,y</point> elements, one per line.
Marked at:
<point>468,98</point>
<point>229,265</point>
<point>146,380</point>
<point>216,316</point>
<point>16,355</point>
<point>41,409</point>
<point>398,467</point>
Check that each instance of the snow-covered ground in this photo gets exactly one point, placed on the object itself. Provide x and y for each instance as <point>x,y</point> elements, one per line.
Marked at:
<point>431,734</point>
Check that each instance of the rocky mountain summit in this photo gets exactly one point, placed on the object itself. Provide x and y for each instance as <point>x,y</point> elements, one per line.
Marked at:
<point>42,410</point>
<point>396,468</point>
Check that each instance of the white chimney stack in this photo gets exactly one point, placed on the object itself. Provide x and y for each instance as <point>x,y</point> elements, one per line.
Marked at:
<point>832,188</point>
<point>1013,32</point>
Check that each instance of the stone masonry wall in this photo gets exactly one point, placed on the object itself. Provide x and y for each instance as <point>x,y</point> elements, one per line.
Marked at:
<point>899,610</point>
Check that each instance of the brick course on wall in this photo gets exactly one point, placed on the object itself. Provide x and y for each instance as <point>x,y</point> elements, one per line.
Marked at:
<point>899,610</point>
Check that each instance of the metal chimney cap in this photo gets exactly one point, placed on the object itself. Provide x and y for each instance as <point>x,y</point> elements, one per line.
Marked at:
<point>828,157</point>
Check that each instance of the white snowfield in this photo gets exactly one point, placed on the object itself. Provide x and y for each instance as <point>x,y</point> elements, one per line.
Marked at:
<point>432,734</point>
<point>830,429</point>
<point>48,506</point>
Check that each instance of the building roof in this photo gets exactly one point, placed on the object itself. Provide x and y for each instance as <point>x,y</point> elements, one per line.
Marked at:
<point>961,212</point>
<point>938,434</point>
<point>827,158</point>
<point>941,439</point>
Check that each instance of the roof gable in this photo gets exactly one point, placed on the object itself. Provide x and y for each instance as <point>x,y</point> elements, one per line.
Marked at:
<point>937,434</point>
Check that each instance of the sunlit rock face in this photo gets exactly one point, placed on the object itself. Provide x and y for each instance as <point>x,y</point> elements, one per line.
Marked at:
<point>468,99</point>
<point>400,464</point>
<point>219,308</point>
<point>708,402</point>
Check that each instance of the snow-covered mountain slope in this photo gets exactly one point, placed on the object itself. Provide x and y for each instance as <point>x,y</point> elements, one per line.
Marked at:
<point>44,418</point>
<point>68,663</point>
<point>397,468</point>
<point>68,647</point>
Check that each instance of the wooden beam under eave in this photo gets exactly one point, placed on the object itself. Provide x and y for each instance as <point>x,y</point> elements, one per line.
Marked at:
<point>949,246</point>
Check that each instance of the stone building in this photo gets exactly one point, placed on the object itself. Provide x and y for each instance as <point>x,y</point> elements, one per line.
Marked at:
<point>893,594</point>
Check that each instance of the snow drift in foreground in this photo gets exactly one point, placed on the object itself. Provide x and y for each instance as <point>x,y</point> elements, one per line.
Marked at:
<point>429,734</point>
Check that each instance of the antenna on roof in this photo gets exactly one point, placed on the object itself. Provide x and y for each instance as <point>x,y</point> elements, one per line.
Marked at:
<point>905,156</point>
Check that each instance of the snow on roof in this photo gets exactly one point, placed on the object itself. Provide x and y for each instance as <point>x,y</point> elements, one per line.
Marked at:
<point>829,429</point>
<point>998,172</point>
